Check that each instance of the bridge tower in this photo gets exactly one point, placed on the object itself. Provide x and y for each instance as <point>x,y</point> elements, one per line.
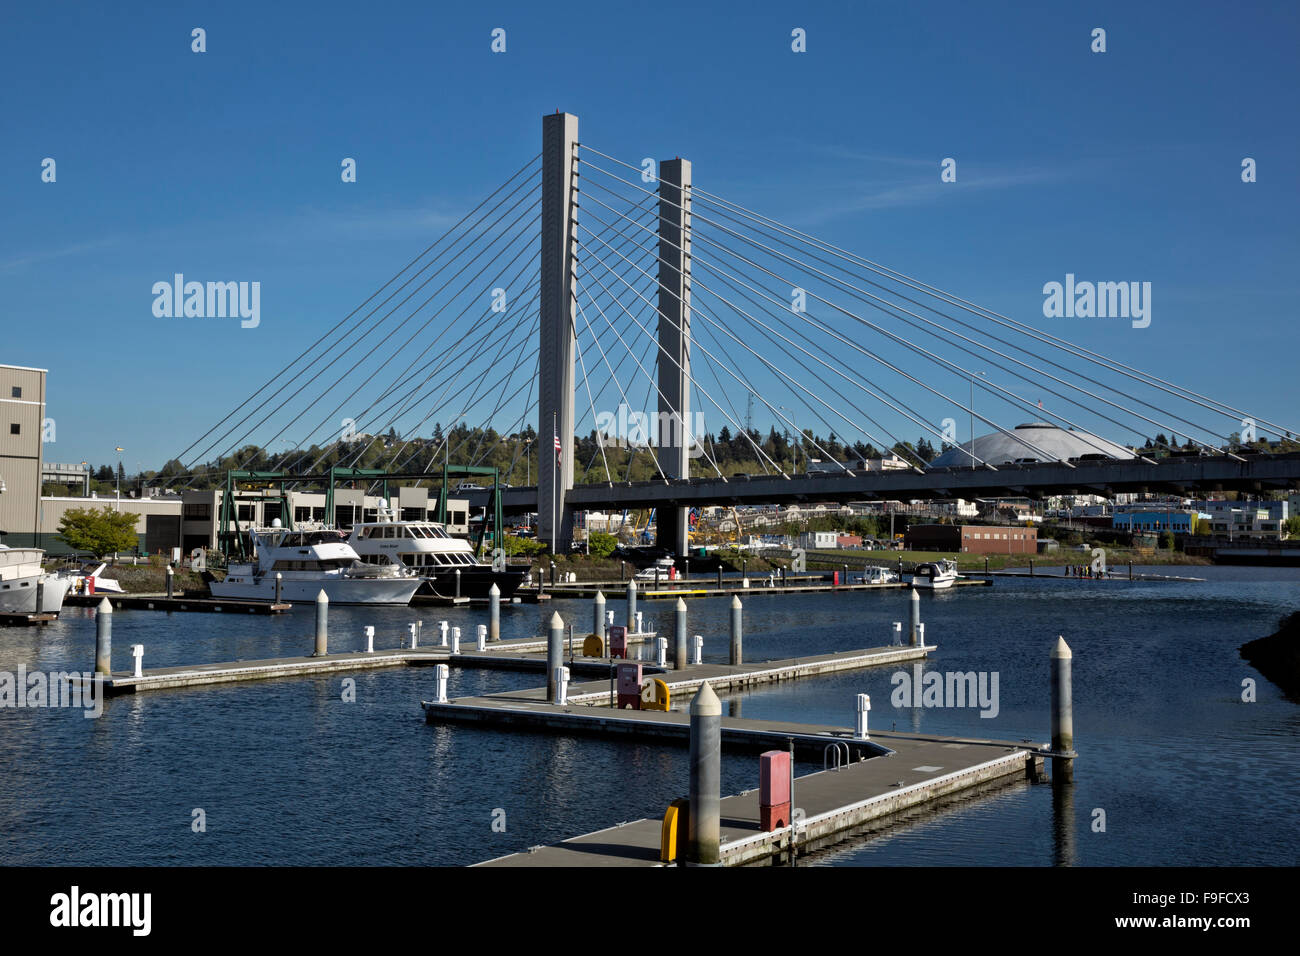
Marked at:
<point>674,356</point>
<point>558,328</point>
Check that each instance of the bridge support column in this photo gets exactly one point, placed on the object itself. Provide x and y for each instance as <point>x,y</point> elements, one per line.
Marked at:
<point>674,358</point>
<point>558,296</point>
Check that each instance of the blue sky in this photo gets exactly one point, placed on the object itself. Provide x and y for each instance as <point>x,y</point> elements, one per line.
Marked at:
<point>225,165</point>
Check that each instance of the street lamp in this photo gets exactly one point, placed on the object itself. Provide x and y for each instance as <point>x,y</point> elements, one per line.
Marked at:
<point>118,476</point>
<point>972,417</point>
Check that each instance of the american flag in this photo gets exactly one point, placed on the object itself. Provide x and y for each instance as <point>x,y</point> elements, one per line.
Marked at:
<point>559,451</point>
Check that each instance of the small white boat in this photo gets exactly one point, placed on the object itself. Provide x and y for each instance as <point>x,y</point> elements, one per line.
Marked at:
<point>873,574</point>
<point>90,582</point>
<point>25,587</point>
<point>935,574</point>
<point>664,569</point>
<point>309,562</point>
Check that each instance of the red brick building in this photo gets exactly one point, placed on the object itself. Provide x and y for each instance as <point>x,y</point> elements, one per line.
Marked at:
<point>972,538</point>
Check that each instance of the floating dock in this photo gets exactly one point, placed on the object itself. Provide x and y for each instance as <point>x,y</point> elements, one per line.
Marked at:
<point>909,770</point>
<point>161,602</point>
<point>702,589</point>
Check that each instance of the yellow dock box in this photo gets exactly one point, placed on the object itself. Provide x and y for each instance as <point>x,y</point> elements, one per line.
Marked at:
<point>593,646</point>
<point>673,831</point>
<point>655,695</point>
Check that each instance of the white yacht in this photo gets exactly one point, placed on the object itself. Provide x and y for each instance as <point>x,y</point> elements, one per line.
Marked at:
<point>25,587</point>
<point>426,549</point>
<point>935,574</point>
<point>310,562</point>
<point>89,581</point>
<point>875,574</point>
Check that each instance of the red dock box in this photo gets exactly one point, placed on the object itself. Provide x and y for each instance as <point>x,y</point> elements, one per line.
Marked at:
<point>629,686</point>
<point>618,641</point>
<point>774,790</point>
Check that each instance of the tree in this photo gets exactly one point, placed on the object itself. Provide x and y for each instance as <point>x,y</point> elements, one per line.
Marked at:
<point>600,544</point>
<point>100,532</point>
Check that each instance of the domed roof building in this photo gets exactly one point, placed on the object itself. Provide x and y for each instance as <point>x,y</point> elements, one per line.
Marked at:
<point>1032,442</point>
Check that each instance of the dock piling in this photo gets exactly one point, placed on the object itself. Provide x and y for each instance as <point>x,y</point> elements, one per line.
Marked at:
<point>916,616</point>
<point>1062,713</point>
<point>631,603</point>
<point>494,613</point>
<point>737,656</point>
<point>598,613</point>
<point>703,822</point>
<point>554,656</point>
<point>440,673</point>
<point>137,651</point>
<point>679,642</point>
<point>370,638</point>
<point>458,584</point>
<point>322,623</point>
<point>864,708</point>
<point>171,582</point>
<point>279,586</point>
<point>104,638</point>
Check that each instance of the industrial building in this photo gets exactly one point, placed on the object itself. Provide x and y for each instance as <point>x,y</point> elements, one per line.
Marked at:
<point>972,538</point>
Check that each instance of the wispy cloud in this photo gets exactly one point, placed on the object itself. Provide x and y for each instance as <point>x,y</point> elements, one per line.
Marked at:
<point>74,249</point>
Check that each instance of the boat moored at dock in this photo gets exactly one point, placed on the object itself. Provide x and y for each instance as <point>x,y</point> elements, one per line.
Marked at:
<point>935,575</point>
<point>308,562</point>
<point>25,587</point>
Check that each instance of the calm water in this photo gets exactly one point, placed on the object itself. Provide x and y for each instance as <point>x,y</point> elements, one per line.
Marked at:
<point>287,772</point>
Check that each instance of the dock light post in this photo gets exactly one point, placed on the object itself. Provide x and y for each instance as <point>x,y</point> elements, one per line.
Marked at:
<point>640,627</point>
<point>898,634</point>
<point>554,656</point>
<point>916,617</point>
<point>494,613</point>
<point>697,649</point>
<point>370,638</point>
<point>171,579</point>
<point>1062,713</point>
<point>920,635</point>
<point>631,602</point>
<point>279,586</point>
<point>679,642</point>
<point>737,631</point>
<point>414,640</point>
<point>440,674</point>
<point>442,628</point>
<point>322,623</point>
<point>661,651</point>
<point>481,634</point>
<point>598,614</point>
<point>137,651</point>
<point>455,640</point>
<point>562,685</point>
<point>703,823</point>
<point>864,708</point>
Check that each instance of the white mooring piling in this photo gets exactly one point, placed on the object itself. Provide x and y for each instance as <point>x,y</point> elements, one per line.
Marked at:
<point>1062,712</point>
<point>631,604</point>
<point>737,630</point>
<point>104,638</point>
<point>494,613</point>
<point>864,708</point>
<point>171,580</point>
<point>322,624</point>
<point>916,617</point>
<point>554,656</point>
<point>679,637</point>
<point>703,822</point>
<point>598,614</point>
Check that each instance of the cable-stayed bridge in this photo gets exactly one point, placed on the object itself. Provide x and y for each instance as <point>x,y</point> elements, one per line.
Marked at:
<point>593,296</point>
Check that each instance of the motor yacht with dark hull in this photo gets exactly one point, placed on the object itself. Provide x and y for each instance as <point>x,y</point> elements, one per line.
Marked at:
<point>438,558</point>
